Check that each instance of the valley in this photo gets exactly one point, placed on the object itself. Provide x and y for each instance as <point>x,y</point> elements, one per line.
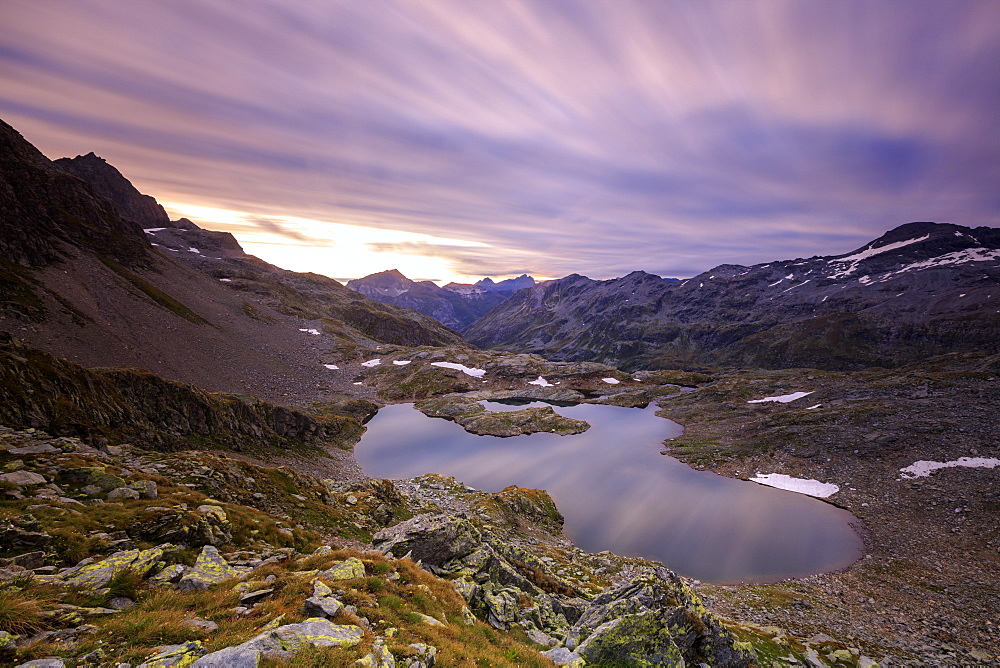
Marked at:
<point>173,402</point>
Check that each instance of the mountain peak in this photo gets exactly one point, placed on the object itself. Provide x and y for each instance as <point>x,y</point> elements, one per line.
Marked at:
<point>110,184</point>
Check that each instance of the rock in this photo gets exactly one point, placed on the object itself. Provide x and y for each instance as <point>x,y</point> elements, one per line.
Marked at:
<point>380,657</point>
<point>427,619</point>
<point>146,489</point>
<point>123,493</point>
<point>564,657</point>
<point>425,656</point>
<point>255,597</point>
<point>168,575</point>
<point>96,476</point>
<point>282,643</point>
<point>345,570</point>
<point>655,619</point>
<point>7,640</point>
<point>202,625</point>
<point>320,589</point>
<point>541,638</point>
<point>322,606</point>
<point>40,449</point>
<point>43,663</point>
<point>97,574</point>
<point>175,655</point>
<point>29,560</point>
<point>121,603</point>
<point>210,569</point>
<point>22,478</point>
<point>23,533</point>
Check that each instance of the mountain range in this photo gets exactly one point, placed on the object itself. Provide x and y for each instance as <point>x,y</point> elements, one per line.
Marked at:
<point>456,305</point>
<point>921,289</point>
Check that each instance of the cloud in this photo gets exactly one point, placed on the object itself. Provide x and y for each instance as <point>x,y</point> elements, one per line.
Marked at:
<point>568,137</point>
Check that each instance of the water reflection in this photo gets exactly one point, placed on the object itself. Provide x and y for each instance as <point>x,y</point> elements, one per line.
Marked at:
<point>618,493</point>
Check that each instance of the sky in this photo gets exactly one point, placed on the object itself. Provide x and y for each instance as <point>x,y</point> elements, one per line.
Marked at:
<point>454,139</point>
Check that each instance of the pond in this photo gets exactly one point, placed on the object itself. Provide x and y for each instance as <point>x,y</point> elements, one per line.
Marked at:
<point>618,493</point>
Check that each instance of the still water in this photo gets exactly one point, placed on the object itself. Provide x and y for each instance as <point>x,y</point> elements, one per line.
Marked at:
<point>618,493</point>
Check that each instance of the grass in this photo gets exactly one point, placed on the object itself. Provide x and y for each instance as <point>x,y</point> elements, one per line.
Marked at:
<point>21,612</point>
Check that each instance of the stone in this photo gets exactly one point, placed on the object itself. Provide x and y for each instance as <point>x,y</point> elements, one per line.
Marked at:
<point>562,656</point>
<point>43,663</point>
<point>321,589</point>
<point>121,603</point>
<point>175,655</point>
<point>168,574</point>
<point>345,570</point>
<point>282,643</point>
<point>427,619</point>
<point>123,493</point>
<point>202,625</point>
<point>97,574</point>
<point>424,656</point>
<point>146,489</point>
<point>210,569</point>
<point>255,597</point>
<point>29,560</point>
<point>7,640</point>
<point>379,657</point>
<point>322,606</point>
<point>41,449</point>
<point>22,478</point>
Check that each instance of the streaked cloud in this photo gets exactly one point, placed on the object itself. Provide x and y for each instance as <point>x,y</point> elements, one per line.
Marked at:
<point>556,136</point>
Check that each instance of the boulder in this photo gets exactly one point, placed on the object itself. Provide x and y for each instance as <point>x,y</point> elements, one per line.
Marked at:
<point>282,643</point>
<point>322,606</point>
<point>175,655</point>
<point>22,478</point>
<point>345,570</point>
<point>97,574</point>
<point>146,489</point>
<point>122,493</point>
<point>210,569</point>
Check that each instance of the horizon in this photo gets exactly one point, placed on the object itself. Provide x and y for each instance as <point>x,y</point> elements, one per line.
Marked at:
<point>452,141</point>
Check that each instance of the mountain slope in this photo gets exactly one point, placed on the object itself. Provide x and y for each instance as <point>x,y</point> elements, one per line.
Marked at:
<point>920,289</point>
<point>80,279</point>
<point>453,305</point>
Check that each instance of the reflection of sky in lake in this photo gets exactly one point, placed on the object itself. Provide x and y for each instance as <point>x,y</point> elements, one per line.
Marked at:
<point>618,493</point>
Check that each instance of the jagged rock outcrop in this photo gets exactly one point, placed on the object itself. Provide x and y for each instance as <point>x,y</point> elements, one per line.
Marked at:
<point>920,289</point>
<point>112,186</point>
<point>654,619</point>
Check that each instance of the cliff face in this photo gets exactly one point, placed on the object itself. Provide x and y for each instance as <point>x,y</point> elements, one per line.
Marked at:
<point>920,289</point>
<point>43,208</point>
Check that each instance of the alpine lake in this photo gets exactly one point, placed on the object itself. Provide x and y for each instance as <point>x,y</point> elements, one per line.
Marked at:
<point>618,493</point>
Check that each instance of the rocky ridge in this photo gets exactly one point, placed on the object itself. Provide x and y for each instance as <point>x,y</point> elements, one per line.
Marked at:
<point>920,289</point>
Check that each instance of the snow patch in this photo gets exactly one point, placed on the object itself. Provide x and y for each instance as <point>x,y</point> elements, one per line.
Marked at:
<point>475,373</point>
<point>958,257</point>
<point>192,249</point>
<point>923,468</point>
<point>226,280</point>
<point>809,408</point>
<point>540,382</point>
<point>332,367</point>
<point>801,485</point>
<point>852,261</point>
<point>611,381</point>
<point>783,399</point>
<point>795,286</point>
<point>401,362</point>
<point>153,230</point>
<point>310,331</point>
<point>374,362</point>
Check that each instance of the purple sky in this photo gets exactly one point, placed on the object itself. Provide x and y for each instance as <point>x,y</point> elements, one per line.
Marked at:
<point>561,136</point>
